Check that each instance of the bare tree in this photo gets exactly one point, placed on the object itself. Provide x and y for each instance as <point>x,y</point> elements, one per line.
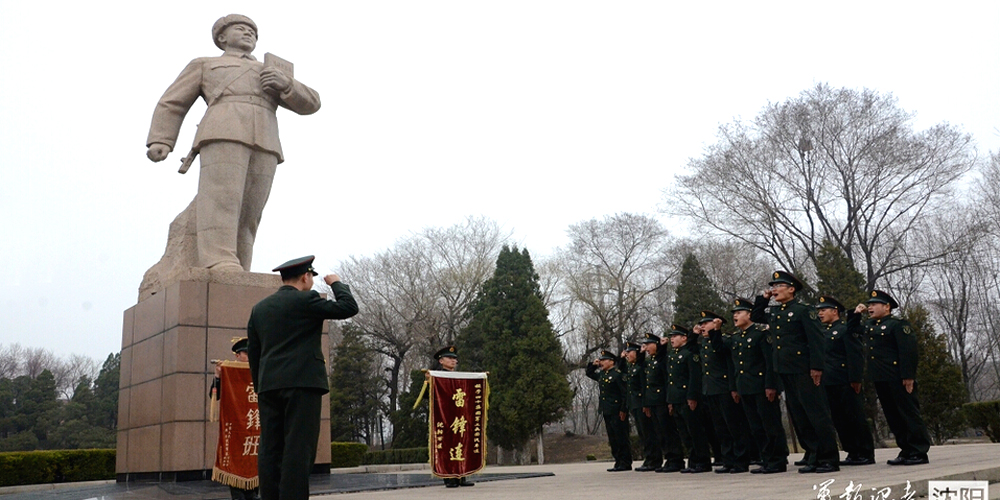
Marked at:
<point>36,360</point>
<point>614,272</point>
<point>835,164</point>
<point>10,361</point>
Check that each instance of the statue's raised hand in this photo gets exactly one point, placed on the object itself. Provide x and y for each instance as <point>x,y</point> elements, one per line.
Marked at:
<point>157,151</point>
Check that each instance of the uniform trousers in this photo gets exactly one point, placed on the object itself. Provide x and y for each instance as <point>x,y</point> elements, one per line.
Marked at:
<point>618,438</point>
<point>902,413</point>
<point>667,436</point>
<point>691,427</point>
<point>233,186</point>
<point>765,425</point>
<point>848,414</point>
<point>810,411</point>
<point>651,455</point>
<point>289,431</point>
<point>731,427</point>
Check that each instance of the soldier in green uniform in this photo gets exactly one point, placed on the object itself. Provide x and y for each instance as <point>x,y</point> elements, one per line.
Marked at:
<point>892,366</point>
<point>758,387</point>
<point>799,359</point>
<point>842,375</point>
<point>631,367</point>
<point>718,385</point>
<point>684,399</point>
<point>654,404</point>
<point>613,407</point>
<point>289,373</point>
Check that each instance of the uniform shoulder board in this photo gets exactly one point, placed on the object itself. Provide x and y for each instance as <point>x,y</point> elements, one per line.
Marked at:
<point>907,329</point>
<point>695,358</point>
<point>764,327</point>
<point>770,339</point>
<point>813,314</point>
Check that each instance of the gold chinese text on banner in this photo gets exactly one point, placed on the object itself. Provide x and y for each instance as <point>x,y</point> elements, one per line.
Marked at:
<point>458,401</point>
<point>239,428</point>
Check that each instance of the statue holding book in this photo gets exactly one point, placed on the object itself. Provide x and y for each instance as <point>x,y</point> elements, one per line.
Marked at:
<point>238,143</point>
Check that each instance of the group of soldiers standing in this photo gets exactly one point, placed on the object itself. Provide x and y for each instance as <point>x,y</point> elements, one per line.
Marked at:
<point>814,355</point>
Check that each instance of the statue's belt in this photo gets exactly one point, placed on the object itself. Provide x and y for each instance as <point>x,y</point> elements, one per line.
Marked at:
<point>248,99</point>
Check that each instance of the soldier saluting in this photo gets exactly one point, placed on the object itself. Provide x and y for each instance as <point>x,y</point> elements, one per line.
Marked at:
<point>613,407</point>
<point>892,366</point>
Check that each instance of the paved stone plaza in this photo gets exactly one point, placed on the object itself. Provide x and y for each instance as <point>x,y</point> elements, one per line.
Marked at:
<point>583,480</point>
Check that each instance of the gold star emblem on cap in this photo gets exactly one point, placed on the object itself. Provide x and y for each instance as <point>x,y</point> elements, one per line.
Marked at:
<point>703,314</point>
<point>776,275</point>
<point>822,299</point>
<point>874,294</point>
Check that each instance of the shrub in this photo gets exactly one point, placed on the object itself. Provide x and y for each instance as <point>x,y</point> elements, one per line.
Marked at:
<point>397,456</point>
<point>40,467</point>
<point>985,416</point>
<point>347,454</point>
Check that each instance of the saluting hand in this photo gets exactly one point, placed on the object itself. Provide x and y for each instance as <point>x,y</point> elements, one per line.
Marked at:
<point>331,279</point>
<point>861,308</point>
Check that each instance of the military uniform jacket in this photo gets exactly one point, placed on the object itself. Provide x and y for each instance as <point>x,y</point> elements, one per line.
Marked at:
<point>614,395</point>
<point>654,378</point>
<point>845,358</point>
<point>892,349</point>
<point>632,373</point>
<point>797,335</point>
<point>285,333</point>
<point>717,365</point>
<point>685,375</point>
<point>240,111</point>
<point>752,353</point>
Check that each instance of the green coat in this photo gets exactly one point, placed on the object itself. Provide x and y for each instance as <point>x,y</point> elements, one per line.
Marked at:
<point>654,378</point>
<point>845,357</point>
<point>632,373</point>
<point>685,375</point>
<point>798,335</point>
<point>892,349</point>
<point>614,395</point>
<point>717,365</point>
<point>285,333</point>
<point>752,353</point>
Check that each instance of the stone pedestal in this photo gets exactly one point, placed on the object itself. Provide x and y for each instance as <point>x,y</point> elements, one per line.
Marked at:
<point>168,340</point>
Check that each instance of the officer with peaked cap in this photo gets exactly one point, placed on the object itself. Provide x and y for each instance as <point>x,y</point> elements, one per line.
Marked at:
<point>842,377</point>
<point>684,399</point>
<point>758,386</point>
<point>654,404</point>
<point>718,385</point>
<point>631,366</point>
<point>892,366</point>
<point>799,358</point>
<point>446,358</point>
<point>289,372</point>
<point>613,407</point>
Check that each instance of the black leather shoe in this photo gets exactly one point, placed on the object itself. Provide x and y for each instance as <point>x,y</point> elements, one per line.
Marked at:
<point>669,468</point>
<point>857,461</point>
<point>465,482</point>
<point>807,469</point>
<point>619,469</point>
<point>738,469</point>
<point>724,470</point>
<point>645,468</point>
<point>916,461</point>
<point>774,470</point>
<point>698,469</point>
<point>451,483</point>
<point>900,460</point>
<point>800,463</point>
<point>826,467</point>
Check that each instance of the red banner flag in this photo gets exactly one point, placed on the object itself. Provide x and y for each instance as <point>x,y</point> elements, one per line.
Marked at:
<point>458,404</point>
<point>239,428</point>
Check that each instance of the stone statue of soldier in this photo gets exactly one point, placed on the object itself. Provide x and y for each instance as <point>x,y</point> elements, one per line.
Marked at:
<point>237,140</point>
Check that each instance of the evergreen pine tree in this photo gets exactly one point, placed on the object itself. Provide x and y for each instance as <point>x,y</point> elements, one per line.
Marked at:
<point>695,293</point>
<point>939,379</point>
<point>354,390</point>
<point>510,336</point>
<point>838,277</point>
<point>409,424</point>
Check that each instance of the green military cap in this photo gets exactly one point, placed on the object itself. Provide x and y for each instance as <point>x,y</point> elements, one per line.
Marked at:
<point>826,301</point>
<point>741,304</point>
<point>227,21</point>
<point>296,267</point>
<point>632,346</point>
<point>884,298</point>
<point>606,354</point>
<point>786,278</point>
<point>446,352</point>
<point>650,338</point>
<point>679,330</point>
<point>707,316</point>
<point>240,344</point>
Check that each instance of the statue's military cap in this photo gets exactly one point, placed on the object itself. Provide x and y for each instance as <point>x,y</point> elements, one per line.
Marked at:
<point>227,21</point>
<point>296,267</point>
<point>826,301</point>
<point>885,298</point>
<point>786,278</point>
<point>446,352</point>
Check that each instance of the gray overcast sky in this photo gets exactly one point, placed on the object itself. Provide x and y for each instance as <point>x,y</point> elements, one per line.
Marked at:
<point>538,114</point>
